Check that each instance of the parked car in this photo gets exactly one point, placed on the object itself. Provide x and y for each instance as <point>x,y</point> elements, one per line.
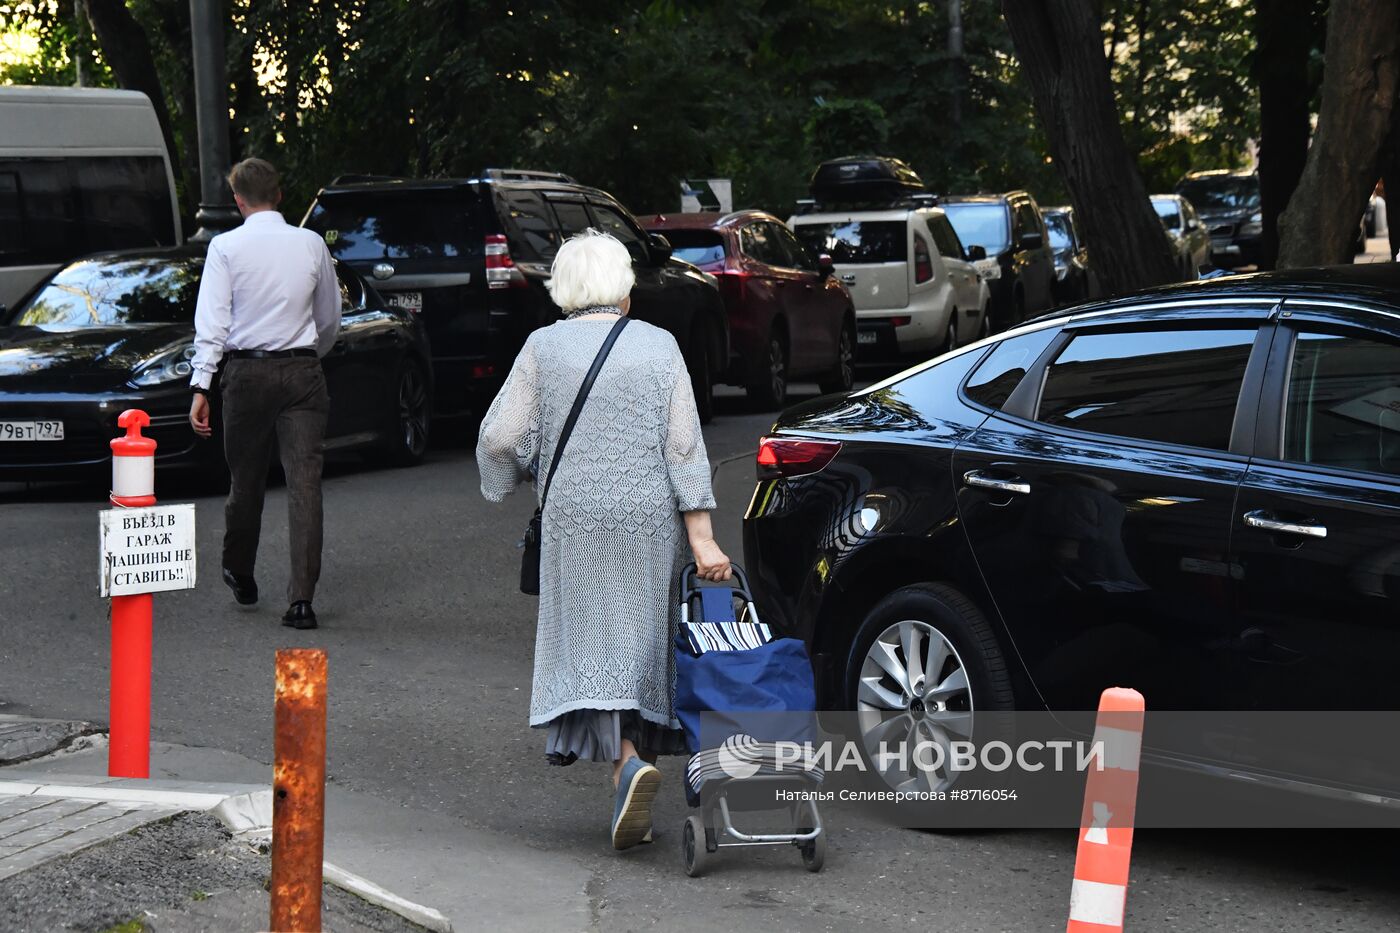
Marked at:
<point>916,291</point>
<point>1188,235</point>
<point>472,256</point>
<point>116,330</point>
<point>82,170</point>
<point>1075,280</point>
<point>789,317</point>
<point>1020,265</point>
<point>1228,203</point>
<point>1188,491</point>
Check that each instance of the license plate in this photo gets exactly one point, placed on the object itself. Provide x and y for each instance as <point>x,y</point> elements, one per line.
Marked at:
<point>31,430</point>
<point>409,301</point>
<point>867,336</point>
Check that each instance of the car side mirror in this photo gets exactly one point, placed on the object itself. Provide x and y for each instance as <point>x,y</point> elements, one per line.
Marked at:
<point>659,248</point>
<point>1032,239</point>
<point>976,252</point>
<point>825,265</point>
<point>1192,224</point>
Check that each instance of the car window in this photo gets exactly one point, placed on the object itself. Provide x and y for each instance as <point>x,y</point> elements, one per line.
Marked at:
<point>980,223</point>
<point>1343,406</point>
<point>997,376</point>
<point>1168,211</point>
<point>857,242</point>
<point>395,227</point>
<point>799,256</point>
<point>1172,386</point>
<point>530,223</point>
<point>107,292</point>
<point>610,221</point>
<point>1222,193</point>
<point>1028,218</point>
<point>1061,231</point>
<point>572,216</point>
<point>923,260</point>
<point>945,237</point>
<point>700,247</point>
<point>756,241</point>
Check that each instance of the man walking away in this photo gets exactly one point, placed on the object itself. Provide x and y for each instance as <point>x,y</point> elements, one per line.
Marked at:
<point>269,306</point>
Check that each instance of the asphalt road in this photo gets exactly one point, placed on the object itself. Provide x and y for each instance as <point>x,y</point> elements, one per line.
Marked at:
<point>430,651</point>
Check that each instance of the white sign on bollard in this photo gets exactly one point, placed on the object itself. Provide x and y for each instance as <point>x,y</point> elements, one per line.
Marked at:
<point>148,550</point>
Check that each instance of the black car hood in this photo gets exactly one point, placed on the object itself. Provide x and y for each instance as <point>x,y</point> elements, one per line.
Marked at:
<point>91,359</point>
<point>1213,218</point>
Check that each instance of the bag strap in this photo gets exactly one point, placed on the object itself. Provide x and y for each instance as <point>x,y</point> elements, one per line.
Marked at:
<point>582,397</point>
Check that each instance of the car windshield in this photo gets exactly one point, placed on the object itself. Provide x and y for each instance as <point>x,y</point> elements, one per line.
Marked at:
<point>1221,194</point>
<point>857,242</point>
<point>700,247</point>
<point>398,227</point>
<point>118,290</point>
<point>1058,226</point>
<point>1167,209</point>
<point>981,224</point>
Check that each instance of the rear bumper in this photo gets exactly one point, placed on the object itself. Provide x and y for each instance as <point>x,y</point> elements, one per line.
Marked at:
<point>879,335</point>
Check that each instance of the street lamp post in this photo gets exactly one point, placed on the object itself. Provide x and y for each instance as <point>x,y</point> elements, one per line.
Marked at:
<point>216,210</point>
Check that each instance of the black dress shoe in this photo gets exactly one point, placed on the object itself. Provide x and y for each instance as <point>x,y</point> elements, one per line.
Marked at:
<point>245,589</point>
<point>300,615</point>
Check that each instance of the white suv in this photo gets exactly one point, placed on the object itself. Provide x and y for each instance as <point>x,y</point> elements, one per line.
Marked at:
<point>915,289</point>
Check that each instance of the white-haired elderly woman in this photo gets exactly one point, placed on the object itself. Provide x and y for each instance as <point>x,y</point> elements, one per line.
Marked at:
<point>629,505</point>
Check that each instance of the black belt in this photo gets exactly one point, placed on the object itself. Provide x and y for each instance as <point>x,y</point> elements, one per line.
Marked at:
<point>270,354</point>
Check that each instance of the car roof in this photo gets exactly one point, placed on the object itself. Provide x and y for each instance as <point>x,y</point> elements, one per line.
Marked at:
<point>704,220</point>
<point>875,213</point>
<point>985,197</point>
<point>1368,283</point>
<point>376,185</point>
<point>1219,173</point>
<point>1058,209</point>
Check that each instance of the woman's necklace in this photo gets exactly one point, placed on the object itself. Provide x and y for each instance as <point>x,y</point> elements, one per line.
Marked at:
<point>596,309</point>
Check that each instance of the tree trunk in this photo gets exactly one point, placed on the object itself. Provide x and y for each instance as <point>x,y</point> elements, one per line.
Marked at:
<point>1060,46</point>
<point>1359,83</point>
<point>127,51</point>
<point>1390,175</point>
<point>1284,35</point>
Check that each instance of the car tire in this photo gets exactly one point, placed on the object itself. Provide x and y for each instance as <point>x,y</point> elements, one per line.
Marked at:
<point>843,375</point>
<point>768,388</point>
<point>411,410</point>
<point>950,336</point>
<point>984,328</point>
<point>697,360</point>
<point>947,621</point>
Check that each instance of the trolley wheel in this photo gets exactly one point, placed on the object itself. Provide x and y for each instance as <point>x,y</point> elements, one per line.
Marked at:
<point>814,852</point>
<point>695,854</point>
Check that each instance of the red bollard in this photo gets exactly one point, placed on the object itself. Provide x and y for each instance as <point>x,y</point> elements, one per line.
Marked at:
<point>133,486</point>
<point>1099,895</point>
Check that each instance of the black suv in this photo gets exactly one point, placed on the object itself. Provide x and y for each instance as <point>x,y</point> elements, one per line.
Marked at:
<point>472,256</point>
<point>1228,203</point>
<point>1020,263</point>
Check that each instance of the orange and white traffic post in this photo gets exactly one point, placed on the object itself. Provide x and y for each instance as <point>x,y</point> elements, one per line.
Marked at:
<point>145,549</point>
<point>1099,896</point>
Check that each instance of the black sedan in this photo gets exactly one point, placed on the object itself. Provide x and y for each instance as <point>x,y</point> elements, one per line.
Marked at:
<point>116,331</point>
<point>1194,492</point>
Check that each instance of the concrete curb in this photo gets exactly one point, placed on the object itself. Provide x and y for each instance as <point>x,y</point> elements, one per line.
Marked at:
<point>246,810</point>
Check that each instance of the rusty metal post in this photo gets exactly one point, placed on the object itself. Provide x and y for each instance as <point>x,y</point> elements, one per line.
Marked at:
<point>298,791</point>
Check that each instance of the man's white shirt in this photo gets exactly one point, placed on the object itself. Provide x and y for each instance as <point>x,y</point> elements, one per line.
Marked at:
<point>266,286</point>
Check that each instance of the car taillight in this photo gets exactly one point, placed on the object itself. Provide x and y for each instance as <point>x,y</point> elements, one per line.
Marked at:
<point>900,321</point>
<point>500,268</point>
<point>790,456</point>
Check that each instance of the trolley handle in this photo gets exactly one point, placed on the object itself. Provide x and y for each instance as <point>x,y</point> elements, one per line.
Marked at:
<point>690,587</point>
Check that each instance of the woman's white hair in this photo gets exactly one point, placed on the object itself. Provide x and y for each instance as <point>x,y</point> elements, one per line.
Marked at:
<point>592,269</point>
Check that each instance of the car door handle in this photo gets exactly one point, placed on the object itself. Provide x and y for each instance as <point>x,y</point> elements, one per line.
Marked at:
<point>984,481</point>
<point>1265,521</point>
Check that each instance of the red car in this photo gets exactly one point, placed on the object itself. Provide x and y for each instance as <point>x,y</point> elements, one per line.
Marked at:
<point>789,316</point>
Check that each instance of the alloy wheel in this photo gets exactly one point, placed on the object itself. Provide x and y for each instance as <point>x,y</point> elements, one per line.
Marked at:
<point>913,689</point>
<point>777,370</point>
<point>413,411</point>
<point>846,358</point>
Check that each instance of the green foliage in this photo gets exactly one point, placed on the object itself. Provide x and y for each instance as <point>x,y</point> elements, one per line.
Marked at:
<point>130,926</point>
<point>632,96</point>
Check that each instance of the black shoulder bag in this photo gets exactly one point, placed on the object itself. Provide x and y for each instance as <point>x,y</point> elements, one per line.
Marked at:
<point>530,559</point>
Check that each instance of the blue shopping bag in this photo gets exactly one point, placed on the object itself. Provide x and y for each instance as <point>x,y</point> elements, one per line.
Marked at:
<point>772,683</point>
